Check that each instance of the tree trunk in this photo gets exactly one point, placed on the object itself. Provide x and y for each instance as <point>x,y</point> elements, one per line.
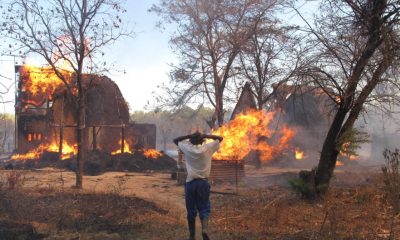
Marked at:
<point>257,154</point>
<point>60,146</point>
<point>329,153</point>
<point>256,159</point>
<point>164,139</point>
<point>80,139</point>
<point>219,110</point>
<point>94,138</point>
<point>122,140</point>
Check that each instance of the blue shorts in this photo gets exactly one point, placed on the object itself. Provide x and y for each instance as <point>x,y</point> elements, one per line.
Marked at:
<point>197,198</point>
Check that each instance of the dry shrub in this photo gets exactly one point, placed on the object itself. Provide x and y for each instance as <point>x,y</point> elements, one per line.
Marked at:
<point>345,212</point>
<point>119,187</point>
<point>12,180</point>
<point>391,178</point>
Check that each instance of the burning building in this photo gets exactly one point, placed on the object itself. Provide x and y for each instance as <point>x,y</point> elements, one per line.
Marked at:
<point>309,111</point>
<point>46,116</point>
<point>250,136</point>
<point>294,130</point>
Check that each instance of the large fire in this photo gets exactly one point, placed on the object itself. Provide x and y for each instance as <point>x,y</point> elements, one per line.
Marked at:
<point>250,131</point>
<point>67,151</point>
<point>43,81</point>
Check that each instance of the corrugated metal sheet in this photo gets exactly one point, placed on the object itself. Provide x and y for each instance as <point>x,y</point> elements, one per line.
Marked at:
<point>226,171</point>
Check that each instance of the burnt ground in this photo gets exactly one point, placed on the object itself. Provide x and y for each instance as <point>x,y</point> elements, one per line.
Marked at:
<point>98,162</point>
<point>42,204</point>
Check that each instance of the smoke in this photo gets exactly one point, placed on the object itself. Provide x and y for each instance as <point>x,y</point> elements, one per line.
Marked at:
<point>383,130</point>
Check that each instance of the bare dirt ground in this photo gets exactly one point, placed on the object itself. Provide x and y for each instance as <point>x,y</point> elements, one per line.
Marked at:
<point>159,188</point>
<point>127,205</point>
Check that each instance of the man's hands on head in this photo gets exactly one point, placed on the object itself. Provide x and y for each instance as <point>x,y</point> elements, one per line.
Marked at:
<point>198,135</point>
<point>214,137</point>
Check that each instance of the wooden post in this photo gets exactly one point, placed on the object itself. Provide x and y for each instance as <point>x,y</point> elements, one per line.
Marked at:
<point>236,175</point>
<point>181,173</point>
<point>94,138</point>
<point>180,161</point>
<point>60,146</point>
<point>122,139</point>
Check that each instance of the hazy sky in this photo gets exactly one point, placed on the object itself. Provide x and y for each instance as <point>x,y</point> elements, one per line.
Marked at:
<point>144,58</point>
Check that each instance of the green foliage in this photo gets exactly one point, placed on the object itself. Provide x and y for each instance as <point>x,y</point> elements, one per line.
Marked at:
<point>351,140</point>
<point>321,188</point>
<point>300,186</point>
<point>363,198</point>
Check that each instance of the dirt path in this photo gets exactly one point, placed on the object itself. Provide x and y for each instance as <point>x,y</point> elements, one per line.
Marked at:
<point>155,187</point>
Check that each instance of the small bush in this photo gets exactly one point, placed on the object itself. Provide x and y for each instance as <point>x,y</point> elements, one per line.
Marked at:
<point>363,198</point>
<point>305,184</point>
<point>299,185</point>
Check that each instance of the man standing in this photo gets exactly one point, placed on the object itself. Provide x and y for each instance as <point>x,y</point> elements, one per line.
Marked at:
<point>197,189</point>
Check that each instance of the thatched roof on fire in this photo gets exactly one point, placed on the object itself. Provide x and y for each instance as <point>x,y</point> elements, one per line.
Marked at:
<point>246,101</point>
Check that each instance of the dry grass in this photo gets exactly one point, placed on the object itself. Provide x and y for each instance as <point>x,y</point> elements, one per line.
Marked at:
<point>55,212</point>
<point>357,212</point>
<point>52,212</point>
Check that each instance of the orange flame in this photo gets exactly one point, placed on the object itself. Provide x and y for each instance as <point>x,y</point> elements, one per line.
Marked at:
<point>345,154</point>
<point>152,153</point>
<point>126,148</point>
<point>67,151</point>
<point>42,81</point>
<point>339,163</point>
<point>354,157</point>
<point>298,154</point>
<point>249,131</point>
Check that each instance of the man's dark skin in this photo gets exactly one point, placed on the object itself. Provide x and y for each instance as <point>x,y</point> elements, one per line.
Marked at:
<point>197,138</point>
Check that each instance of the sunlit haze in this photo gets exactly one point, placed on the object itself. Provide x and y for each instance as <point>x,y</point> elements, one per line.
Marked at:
<point>139,64</point>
